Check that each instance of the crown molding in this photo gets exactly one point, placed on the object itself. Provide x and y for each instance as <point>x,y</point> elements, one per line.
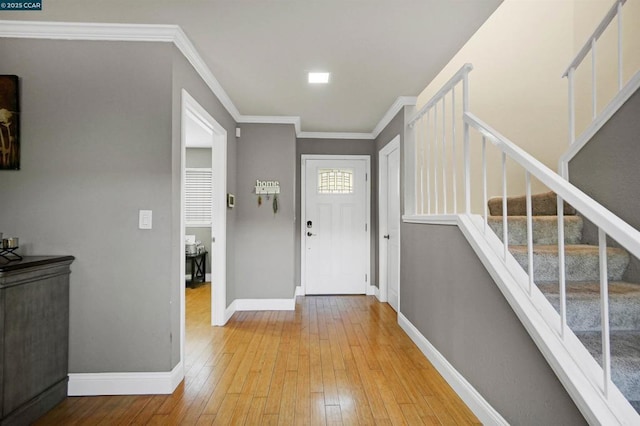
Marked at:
<point>395,108</point>
<point>187,48</point>
<point>265,119</point>
<point>174,34</point>
<point>87,31</point>
<point>121,32</point>
<point>335,135</point>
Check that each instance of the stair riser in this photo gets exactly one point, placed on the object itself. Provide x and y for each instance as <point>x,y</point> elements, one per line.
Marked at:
<point>544,232</point>
<point>584,315</point>
<point>542,204</point>
<point>584,267</point>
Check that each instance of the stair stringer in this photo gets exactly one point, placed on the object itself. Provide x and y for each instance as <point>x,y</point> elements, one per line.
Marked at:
<point>565,355</point>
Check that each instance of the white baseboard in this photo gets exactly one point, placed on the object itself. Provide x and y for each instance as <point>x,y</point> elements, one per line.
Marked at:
<point>376,293</point>
<point>371,290</point>
<point>229,311</point>
<point>91,384</point>
<point>207,277</point>
<point>265,304</point>
<point>476,403</point>
<point>300,291</point>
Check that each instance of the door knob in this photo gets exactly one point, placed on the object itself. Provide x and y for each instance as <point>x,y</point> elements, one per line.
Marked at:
<point>387,236</point>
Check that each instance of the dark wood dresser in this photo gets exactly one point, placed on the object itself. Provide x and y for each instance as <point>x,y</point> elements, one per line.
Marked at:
<point>34,336</point>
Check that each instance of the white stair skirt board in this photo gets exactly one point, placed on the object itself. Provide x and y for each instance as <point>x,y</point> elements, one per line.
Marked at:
<point>92,384</point>
<point>476,403</point>
<point>574,366</point>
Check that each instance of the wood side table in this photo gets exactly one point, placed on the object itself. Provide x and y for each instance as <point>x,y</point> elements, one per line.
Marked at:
<point>198,267</point>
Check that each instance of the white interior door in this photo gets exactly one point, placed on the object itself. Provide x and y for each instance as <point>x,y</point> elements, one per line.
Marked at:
<point>335,229</point>
<point>393,228</point>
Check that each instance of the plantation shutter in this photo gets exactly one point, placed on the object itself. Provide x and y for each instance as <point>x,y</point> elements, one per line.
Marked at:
<point>198,197</point>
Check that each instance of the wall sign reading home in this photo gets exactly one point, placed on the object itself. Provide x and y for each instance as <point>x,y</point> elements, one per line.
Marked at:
<point>9,123</point>
<point>267,187</point>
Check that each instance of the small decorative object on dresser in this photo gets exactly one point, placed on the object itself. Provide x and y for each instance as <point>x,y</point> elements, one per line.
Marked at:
<point>9,123</point>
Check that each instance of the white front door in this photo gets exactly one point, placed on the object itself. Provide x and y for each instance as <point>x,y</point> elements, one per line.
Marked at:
<point>335,232</point>
<point>393,228</point>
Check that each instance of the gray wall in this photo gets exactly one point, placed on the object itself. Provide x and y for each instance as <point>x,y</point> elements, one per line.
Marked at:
<point>101,140</point>
<point>96,148</point>
<point>449,296</point>
<point>337,147</point>
<point>607,170</point>
<point>264,240</point>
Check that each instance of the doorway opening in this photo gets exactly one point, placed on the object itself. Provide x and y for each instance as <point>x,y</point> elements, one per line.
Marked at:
<point>204,143</point>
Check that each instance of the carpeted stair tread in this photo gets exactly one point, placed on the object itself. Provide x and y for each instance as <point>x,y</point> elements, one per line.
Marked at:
<point>541,205</point>
<point>583,304</point>
<point>581,262</point>
<point>545,229</point>
<point>625,359</point>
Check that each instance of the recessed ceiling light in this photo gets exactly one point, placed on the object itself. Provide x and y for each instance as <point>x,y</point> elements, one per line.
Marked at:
<point>318,77</point>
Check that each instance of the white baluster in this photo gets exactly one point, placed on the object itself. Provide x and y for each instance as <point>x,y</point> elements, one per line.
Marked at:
<point>527,178</point>
<point>419,160</point>
<point>485,207</point>
<point>561,268</point>
<point>620,77</point>
<point>594,95</point>
<point>467,155</point>
<point>505,231</point>
<point>453,147</point>
<point>444,157</point>
<point>426,160</point>
<point>604,310</point>
<point>572,107</point>
<point>435,156</point>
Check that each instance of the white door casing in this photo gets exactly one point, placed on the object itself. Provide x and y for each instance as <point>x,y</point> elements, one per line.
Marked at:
<point>335,232</point>
<point>192,110</point>
<point>389,223</point>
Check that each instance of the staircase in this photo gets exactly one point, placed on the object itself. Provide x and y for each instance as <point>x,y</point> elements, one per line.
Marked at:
<point>582,282</point>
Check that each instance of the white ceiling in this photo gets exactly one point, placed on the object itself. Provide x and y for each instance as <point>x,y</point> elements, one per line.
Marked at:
<point>261,50</point>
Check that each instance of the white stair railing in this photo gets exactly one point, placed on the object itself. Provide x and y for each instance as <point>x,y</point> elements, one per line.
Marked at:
<point>607,223</point>
<point>435,154</point>
<point>624,90</point>
<point>432,169</point>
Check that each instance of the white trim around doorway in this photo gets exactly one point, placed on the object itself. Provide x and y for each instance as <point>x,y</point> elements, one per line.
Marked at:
<point>383,179</point>
<point>191,109</point>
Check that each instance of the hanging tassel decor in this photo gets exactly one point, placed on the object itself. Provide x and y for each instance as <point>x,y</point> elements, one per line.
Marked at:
<point>275,203</point>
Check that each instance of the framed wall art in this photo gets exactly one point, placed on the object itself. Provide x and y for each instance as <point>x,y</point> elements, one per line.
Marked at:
<point>9,123</point>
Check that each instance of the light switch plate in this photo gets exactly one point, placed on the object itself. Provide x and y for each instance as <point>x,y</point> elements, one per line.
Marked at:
<point>145,219</point>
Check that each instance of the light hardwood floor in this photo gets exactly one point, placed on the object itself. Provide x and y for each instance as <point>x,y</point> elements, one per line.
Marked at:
<point>334,360</point>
